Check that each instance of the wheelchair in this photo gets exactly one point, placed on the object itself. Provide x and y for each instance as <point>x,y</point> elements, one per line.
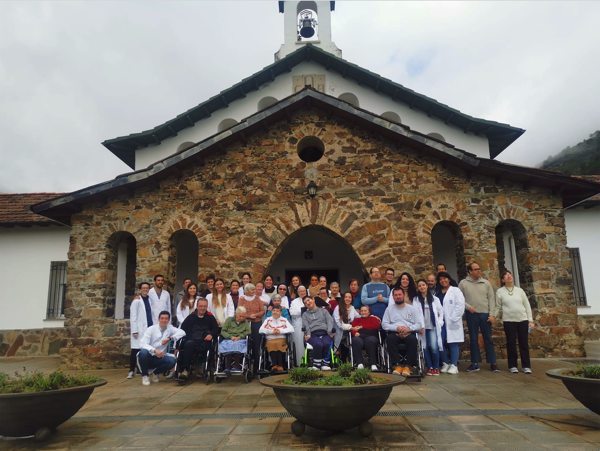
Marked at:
<point>247,362</point>
<point>264,364</point>
<point>381,363</point>
<point>307,358</point>
<point>202,360</point>
<point>420,371</point>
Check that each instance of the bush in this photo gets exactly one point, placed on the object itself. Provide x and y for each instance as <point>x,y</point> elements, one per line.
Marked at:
<point>345,370</point>
<point>361,377</point>
<point>37,382</point>
<point>302,375</point>
<point>587,371</point>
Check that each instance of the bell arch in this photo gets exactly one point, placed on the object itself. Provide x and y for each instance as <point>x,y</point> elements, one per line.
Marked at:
<point>448,248</point>
<point>315,248</point>
<point>225,124</point>
<point>265,103</point>
<point>437,136</point>
<point>390,115</point>
<point>120,275</point>
<point>513,253</point>
<point>350,98</point>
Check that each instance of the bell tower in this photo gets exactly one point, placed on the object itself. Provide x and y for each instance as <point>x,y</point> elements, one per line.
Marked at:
<point>306,22</point>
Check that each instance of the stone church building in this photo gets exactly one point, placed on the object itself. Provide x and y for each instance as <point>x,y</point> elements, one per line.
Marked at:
<point>402,181</point>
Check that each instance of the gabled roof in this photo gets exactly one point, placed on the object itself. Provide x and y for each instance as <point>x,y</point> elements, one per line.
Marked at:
<point>500,136</point>
<point>572,190</point>
<point>592,201</point>
<point>13,209</point>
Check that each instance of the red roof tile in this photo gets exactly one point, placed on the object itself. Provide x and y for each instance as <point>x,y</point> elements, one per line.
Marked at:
<point>12,208</point>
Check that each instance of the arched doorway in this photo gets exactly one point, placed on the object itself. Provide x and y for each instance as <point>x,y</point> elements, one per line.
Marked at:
<point>183,259</point>
<point>447,245</point>
<point>316,249</point>
<point>513,251</point>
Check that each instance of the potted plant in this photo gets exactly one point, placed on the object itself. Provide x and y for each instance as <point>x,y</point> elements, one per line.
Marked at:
<point>36,403</point>
<point>583,382</point>
<point>333,402</point>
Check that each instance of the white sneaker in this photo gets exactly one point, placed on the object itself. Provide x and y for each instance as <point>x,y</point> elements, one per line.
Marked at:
<point>170,375</point>
<point>325,368</point>
<point>453,369</point>
<point>527,370</point>
<point>145,380</point>
<point>514,369</point>
<point>130,375</point>
<point>445,367</point>
<point>374,368</point>
<point>360,366</point>
<point>155,378</point>
<point>314,368</point>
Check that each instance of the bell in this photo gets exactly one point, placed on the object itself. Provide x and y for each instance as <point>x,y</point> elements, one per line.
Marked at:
<point>307,30</point>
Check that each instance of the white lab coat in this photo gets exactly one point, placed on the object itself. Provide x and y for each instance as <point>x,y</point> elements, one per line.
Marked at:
<point>439,321</point>
<point>454,307</point>
<point>298,335</point>
<point>159,305</point>
<point>228,311</point>
<point>138,322</point>
<point>154,336</point>
<point>183,314</point>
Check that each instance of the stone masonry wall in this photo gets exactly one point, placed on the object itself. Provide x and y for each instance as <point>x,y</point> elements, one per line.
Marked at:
<point>31,342</point>
<point>589,325</point>
<point>381,198</point>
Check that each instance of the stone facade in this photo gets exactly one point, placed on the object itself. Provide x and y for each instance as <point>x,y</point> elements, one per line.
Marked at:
<point>589,325</point>
<point>380,197</point>
<point>32,342</point>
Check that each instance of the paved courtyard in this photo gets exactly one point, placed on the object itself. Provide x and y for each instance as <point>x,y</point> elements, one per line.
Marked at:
<point>479,411</point>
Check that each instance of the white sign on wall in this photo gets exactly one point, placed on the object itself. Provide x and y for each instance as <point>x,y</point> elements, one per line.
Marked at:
<point>299,82</point>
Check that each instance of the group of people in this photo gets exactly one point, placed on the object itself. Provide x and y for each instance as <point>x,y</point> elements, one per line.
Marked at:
<point>405,312</point>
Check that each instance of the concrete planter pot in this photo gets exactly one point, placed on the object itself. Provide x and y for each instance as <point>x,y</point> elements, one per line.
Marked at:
<point>333,408</point>
<point>586,391</point>
<point>38,414</point>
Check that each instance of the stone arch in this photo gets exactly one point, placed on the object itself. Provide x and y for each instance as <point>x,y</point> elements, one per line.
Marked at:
<point>185,146</point>
<point>390,115</point>
<point>266,102</point>
<point>350,98</point>
<point>327,231</point>
<point>437,136</point>
<point>182,260</point>
<point>448,248</point>
<point>120,275</point>
<point>513,250</point>
<point>225,124</point>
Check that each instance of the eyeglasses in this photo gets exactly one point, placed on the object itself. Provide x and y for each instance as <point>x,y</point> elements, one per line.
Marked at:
<point>374,272</point>
<point>476,269</point>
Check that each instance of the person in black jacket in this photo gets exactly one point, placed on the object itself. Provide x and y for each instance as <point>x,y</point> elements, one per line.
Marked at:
<point>200,329</point>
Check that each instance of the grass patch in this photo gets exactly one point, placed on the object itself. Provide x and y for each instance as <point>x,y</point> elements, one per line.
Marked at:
<point>345,376</point>
<point>39,382</point>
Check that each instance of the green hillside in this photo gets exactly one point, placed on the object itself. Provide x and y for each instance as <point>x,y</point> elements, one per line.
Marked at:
<point>582,159</point>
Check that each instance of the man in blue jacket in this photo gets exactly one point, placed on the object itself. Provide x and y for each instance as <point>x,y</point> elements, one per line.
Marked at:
<point>376,294</point>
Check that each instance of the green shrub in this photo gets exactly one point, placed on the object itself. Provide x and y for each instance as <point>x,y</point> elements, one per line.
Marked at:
<point>361,377</point>
<point>333,380</point>
<point>345,370</point>
<point>587,371</point>
<point>37,382</point>
<point>302,375</point>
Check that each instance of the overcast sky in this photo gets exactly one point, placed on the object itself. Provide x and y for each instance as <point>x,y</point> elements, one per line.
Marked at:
<point>73,74</point>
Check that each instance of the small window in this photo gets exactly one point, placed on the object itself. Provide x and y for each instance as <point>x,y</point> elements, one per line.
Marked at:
<point>310,149</point>
<point>578,285</point>
<point>57,290</point>
<point>350,98</point>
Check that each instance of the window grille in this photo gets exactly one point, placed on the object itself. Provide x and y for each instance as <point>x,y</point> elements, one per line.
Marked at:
<point>57,290</point>
<point>578,285</point>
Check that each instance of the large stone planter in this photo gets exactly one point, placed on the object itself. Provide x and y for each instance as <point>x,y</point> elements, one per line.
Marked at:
<point>586,391</point>
<point>333,408</point>
<point>26,414</point>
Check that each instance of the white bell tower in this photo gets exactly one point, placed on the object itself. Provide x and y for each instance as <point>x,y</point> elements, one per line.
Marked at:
<point>297,27</point>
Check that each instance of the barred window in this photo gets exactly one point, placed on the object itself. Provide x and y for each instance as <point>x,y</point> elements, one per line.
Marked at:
<point>578,285</point>
<point>57,290</point>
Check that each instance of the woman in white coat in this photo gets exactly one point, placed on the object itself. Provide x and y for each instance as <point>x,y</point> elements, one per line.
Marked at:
<point>187,304</point>
<point>296,315</point>
<point>220,303</point>
<point>140,318</point>
<point>453,303</point>
<point>343,315</point>
<point>433,319</point>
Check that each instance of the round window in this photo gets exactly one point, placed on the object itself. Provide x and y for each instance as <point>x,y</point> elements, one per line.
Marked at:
<point>310,149</point>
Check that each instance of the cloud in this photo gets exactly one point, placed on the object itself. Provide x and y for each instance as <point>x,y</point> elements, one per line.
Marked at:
<point>76,73</point>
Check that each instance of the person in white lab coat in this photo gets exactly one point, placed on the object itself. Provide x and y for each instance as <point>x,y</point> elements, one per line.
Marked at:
<point>433,320</point>
<point>453,302</point>
<point>187,304</point>
<point>140,319</point>
<point>220,304</point>
<point>152,357</point>
<point>160,300</point>
<point>296,309</point>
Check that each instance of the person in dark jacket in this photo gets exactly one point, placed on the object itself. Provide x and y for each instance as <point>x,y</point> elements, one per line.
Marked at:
<point>200,328</point>
<point>442,268</point>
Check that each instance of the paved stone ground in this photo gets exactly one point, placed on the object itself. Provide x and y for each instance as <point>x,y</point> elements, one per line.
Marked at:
<point>497,411</point>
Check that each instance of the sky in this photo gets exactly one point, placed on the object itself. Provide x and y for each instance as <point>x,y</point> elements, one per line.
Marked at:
<point>73,74</point>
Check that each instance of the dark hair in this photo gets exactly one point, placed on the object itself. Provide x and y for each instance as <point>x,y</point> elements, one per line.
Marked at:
<point>314,275</point>
<point>354,280</point>
<point>443,274</point>
<point>440,264</point>
<point>187,298</point>
<point>429,296</point>
<point>187,278</point>
<point>201,299</point>
<point>371,270</point>
<point>157,276</point>
<point>470,266</point>
<point>210,276</point>
<point>291,288</point>
<point>277,307</point>
<point>342,307</point>
<point>247,274</point>
<point>502,274</point>
<point>268,275</point>
<point>305,298</point>
<point>412,286</point>
<point>390,269</point>
<point>397,289</point>
<point>236,281</point>
<point>164,312</point>
<point>142,284</point>
<point>368,307</point>
<point>261,282</point>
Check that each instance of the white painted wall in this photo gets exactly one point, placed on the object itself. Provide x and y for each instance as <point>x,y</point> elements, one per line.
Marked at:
<point>25,256</point>
<point>335,86</point>
<point>328,253</point>
<point>582,232</point>
<point>444,250</point>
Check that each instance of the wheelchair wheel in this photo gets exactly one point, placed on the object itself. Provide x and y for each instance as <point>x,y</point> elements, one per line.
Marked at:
<point>248,377</point>
<point>218,379</point>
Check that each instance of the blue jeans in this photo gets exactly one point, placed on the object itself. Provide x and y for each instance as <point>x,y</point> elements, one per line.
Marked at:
<point>443,353</point>
<point>432,352</point>
<point>321,346</point>
<point>476,321</point>
<point>149,361</point>
<point>452,347</point>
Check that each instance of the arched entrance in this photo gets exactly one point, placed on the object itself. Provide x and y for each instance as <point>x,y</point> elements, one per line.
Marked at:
<point>316,249</point>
